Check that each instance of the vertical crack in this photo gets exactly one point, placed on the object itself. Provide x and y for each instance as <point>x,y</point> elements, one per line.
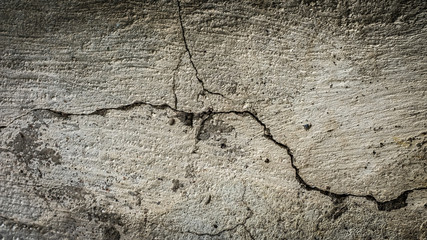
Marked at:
<point>249,233</point>
<point>190,56</point>
<point>175,73</point>
<point>175,101</point>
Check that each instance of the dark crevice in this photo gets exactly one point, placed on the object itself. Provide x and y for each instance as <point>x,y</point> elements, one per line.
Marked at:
<point>337,212</point>
<point>178,65</point>
<point>188,118</point>
<point>393,204</point>
<point>250,234</point>
<point>103,111</point>
<point>398,202</point>
<point>191,57</point>
<point>175,102</point>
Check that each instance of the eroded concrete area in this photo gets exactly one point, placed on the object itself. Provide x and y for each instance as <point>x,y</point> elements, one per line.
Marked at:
<point>213,120</point>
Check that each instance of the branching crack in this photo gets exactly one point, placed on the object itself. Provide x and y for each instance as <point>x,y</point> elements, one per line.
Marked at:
<point>393,204</point>
<point>190,56</point>
<point>188,117</point>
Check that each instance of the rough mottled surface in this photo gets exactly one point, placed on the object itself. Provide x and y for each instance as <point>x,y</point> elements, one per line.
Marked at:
<point>213,119</point>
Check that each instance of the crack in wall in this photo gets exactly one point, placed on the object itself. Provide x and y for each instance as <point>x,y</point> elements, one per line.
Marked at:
<point>175,70</point>
<point>393,204</point>
<point>250,234</point>
<point>190,56</point>
<point>189,117</point>
<point>396,203</point>
<point>101,111</point>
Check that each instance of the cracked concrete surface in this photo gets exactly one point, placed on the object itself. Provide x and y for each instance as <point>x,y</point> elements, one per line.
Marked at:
<point>185,120</point>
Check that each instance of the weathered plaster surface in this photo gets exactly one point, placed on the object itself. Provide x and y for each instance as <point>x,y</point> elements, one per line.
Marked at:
<point>213,120</point>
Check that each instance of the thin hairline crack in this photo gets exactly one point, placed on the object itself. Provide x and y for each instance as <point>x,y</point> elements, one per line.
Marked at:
<point>190,56</point>
<point>397,203</point>
<point>175,70</point>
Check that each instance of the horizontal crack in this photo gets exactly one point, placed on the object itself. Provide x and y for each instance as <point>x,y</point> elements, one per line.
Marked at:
<point>102,111</point>
<point>188,117</point>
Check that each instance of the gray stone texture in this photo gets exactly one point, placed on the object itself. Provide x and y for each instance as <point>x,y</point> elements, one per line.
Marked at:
<point>213,119</point>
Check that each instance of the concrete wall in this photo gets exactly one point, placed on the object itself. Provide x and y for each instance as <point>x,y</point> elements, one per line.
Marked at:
<point>213,119</point>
